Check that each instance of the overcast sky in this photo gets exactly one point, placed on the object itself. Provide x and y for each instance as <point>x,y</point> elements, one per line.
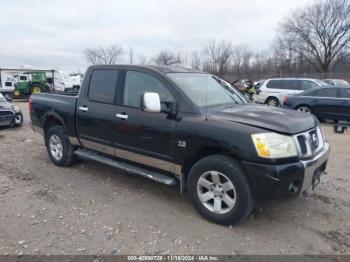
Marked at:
<point>53,34</point>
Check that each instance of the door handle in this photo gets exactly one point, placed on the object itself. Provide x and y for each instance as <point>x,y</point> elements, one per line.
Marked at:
<point>83,108</point>
<point>122,116</point>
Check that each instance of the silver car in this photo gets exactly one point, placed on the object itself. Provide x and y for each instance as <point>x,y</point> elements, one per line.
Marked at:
<point>337,82</point>
<point>273,91</point>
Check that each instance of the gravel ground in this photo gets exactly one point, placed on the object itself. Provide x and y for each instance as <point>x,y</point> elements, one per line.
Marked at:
<point>90,208</point>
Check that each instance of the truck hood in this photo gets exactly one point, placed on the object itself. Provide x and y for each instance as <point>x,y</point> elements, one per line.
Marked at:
<point>272,118</point>
<point>5,106</point>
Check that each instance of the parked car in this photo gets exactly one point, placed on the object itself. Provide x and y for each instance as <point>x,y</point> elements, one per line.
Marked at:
<point>181,127</point>
<point>234,90</point>
<point>337,82</point>
<point>274,90</point>
<point>331,103</point>
<point>10,115</point>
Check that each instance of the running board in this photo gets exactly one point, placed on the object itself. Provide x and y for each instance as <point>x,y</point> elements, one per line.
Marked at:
<point>158,177</point>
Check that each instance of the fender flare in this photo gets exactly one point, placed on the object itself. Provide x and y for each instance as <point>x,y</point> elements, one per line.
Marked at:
<point>55,116</point>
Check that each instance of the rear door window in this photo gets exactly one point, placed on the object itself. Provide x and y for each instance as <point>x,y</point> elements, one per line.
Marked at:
<point>274,84</point>
<point>103,85</point>
<point>292,85</point>
<point>344,92</point>
<point>326,92</point>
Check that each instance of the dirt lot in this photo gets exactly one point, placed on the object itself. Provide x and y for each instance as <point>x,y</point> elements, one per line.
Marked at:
<point>94,209</point>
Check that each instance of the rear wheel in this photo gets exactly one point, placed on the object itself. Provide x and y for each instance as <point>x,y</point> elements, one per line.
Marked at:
<point>36,89</point>
<point>16,93</point>
<point>304,109</point>
<point>58,146</point>
<point>272,101</point>
<point>220,191</point>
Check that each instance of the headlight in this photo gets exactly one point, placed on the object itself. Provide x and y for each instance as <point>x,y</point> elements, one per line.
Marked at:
<point>16,109</point>
<point>321,134</point>
<point>273,145</point>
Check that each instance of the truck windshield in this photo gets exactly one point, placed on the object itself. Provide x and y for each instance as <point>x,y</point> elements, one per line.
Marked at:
<point>203,90</point>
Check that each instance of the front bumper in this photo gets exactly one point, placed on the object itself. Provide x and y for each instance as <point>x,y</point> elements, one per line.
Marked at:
<point>260,98</point>
<point>7,120</point>
<point>287,180</point>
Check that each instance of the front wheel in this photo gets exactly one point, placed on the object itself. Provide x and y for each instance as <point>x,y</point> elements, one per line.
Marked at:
<point>58,146</point>
<point>272,101</point>
<point>220,191</point>
<point>304,109</point>
<point>18,121</point>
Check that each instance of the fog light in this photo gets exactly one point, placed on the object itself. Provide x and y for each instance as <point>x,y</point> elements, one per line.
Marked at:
<point>294,187</point>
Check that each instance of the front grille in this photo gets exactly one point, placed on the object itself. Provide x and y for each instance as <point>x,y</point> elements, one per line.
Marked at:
<point>302,143</point>
<point>6,113</point>
<point>309,143</point>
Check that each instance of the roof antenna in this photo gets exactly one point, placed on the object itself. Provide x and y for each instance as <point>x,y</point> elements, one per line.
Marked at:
<point>206,97</point>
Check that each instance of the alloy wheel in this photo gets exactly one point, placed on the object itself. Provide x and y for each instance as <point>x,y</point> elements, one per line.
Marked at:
<point>56,147</point>
<point>216,192</point>
<point>18,119</point>
<point>272,102</point>
<point>304,109</point>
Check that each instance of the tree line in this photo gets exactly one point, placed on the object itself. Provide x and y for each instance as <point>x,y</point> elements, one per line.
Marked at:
<point>312,39</point>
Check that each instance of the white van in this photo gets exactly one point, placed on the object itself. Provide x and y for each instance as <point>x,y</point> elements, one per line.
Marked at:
<point>274,90</point>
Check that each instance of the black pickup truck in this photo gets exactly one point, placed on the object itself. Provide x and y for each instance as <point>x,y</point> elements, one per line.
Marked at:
<point>181,127</point>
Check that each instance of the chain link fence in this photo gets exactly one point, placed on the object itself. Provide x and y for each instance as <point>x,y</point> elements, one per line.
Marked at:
<point>259,76</point>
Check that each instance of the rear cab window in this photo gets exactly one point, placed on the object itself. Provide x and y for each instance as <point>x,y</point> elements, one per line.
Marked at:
<point>103,86</point>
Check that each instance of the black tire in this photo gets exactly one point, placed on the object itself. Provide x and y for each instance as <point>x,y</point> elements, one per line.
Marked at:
<point>18,120</point>
<point>37,89</point>
<point>303,108</point>
<point>16,93</point>
<point>67,149</point>
<point>272,101</point>
<point>233,171</point>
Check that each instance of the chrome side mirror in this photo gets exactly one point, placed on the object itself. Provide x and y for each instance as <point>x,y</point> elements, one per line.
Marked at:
<point>151,102</point>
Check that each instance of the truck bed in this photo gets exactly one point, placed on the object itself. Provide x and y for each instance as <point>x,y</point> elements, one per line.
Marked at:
<point>61,105</point>
<point>66,93</point>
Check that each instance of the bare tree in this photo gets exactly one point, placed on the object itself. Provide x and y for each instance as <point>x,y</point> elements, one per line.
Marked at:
<point>131,55</point>
<point>217,57</point>
<point>168,58</point>
<point>195,61</point>
<point>103,55</point>
<point>262,63</point>
<point>319,32</point>
<point>142,59</point>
